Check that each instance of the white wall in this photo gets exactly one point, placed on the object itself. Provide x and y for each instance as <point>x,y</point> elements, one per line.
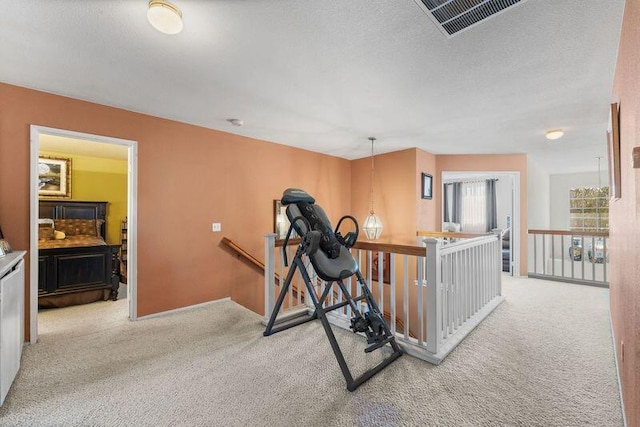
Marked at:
<point>538,192</point>
<point>504,200</point>
<point>559,197</point>
<point>538,205</point>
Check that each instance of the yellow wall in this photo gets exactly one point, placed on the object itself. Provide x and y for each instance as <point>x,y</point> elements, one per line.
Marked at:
<point>100,180</point>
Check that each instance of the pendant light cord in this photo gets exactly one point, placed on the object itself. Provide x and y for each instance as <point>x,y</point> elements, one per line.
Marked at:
<point>372,139</point>
<point>599,189</point>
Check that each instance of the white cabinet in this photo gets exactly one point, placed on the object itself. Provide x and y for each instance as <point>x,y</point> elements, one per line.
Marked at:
<point>11,318</point>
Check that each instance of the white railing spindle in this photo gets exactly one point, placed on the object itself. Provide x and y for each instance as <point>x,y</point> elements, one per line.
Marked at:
<point>420,302</point>
<point>381,280</point>
<point>392,297</point>
<point>405,302</point>
<point>434,307</point>
<point>269,274</point>
<point>358,290</point>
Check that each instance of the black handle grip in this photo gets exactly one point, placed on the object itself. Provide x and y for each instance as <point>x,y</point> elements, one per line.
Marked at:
<point>351,238</point>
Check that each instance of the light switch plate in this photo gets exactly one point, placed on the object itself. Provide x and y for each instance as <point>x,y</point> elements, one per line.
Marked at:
<point>216,226</point>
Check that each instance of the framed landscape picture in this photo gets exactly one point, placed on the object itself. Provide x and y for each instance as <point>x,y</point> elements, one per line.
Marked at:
<point>5,248</point>
<point>54,177</point>
<point>613,151</point>
<point>280,221</point>
<point>427,186</point>
<point>386,267</point>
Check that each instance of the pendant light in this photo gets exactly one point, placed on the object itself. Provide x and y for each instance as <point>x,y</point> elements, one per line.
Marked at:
<point>165,17</point>
<point>372,225</point>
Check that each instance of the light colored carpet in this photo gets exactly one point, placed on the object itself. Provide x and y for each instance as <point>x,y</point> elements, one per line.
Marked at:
<point>543,358</point>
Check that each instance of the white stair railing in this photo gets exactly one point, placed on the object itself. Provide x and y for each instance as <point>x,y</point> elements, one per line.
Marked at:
<point>460,284</point>
<point>569,256</point>
<point>464,285</point>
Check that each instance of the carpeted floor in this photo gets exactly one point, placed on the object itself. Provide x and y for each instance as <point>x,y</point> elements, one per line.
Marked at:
<point>543,358</point>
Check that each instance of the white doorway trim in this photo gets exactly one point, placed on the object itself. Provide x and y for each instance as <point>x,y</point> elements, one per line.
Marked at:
<point>515,223</point>
<point>132,212</point>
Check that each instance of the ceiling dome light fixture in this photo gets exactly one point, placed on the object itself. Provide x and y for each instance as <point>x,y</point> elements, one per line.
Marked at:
<point>554,134</point>
<point>372,224</point>
<point>165,17</point>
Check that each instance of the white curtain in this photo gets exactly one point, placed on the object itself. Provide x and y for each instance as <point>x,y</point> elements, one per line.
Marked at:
<point>474,207</point>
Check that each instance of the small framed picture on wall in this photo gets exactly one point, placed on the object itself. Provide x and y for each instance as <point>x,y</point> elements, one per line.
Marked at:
<point>5,248</point>
<point>613,148</point>
<point>280,221</point>
<point>427,186</point>
<point>54,177</point>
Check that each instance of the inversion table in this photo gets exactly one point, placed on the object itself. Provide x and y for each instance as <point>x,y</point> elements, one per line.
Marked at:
<point>328,252</point>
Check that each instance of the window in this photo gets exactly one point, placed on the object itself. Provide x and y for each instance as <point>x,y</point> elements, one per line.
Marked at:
<point>474,207</point>
<point>589,209</point>
<point>472,204</point>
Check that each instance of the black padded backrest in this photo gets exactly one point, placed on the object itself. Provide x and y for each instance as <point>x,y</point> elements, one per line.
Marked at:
<point>342,267</point>
<point>296,195</point>
<point>317,220</point>
<point>293,211</point>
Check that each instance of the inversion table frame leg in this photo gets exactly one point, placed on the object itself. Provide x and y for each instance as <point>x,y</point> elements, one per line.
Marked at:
<point>320,312</point>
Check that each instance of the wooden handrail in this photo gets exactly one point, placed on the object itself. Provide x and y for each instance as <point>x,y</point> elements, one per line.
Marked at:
<point>449,234</point>
<point>292,241</point>
<point>415,250</point>
<point>260,265</point>
<point>247,256</point>
<point>571,233</point>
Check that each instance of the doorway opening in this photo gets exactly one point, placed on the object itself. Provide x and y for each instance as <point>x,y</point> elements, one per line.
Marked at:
<point>76,199</point>
<point>507,196</point>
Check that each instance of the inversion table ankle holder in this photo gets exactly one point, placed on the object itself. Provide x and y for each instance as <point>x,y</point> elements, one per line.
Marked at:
<point>332,261</point>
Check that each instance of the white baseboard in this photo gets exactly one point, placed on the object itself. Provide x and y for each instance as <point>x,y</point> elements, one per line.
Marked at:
<point>177,310</point>
<point>615,358</point>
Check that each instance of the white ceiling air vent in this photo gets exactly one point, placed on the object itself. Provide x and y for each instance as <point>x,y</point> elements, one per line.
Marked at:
<point>453,16</point>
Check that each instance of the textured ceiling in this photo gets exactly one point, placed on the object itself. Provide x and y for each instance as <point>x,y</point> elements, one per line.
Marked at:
<point>324,75</point>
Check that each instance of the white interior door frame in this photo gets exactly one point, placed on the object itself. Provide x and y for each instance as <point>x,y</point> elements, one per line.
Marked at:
<point>515,222</point>
<point>132,214</point>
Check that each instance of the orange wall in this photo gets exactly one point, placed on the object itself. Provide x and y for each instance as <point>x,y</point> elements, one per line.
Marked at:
<point>399,203</point>
<point>624,230</point>
<point>493,163</point>
<point>428,217</point>
<point>394,197</point>
<point>188,177</point>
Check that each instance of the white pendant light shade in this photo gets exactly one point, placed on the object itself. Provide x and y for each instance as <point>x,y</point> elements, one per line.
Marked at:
<point>165,17</point>
<point>372,226</point>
